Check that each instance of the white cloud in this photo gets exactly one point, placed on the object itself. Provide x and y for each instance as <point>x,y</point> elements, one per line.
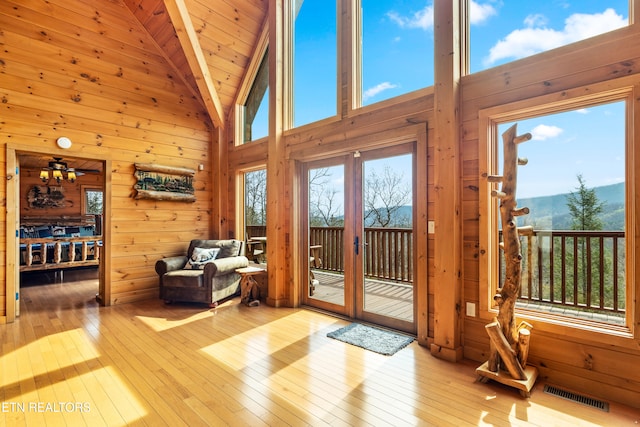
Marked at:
<point>371,92</point>
<point>542,132</point>
<point>583,111</point>
<point>478,13</point>
<point>536,38</point>
<point>422,19</point>
<point>536,20</point>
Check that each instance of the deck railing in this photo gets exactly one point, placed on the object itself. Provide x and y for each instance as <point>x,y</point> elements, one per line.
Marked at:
<point>386,250</point>
<point>582,270</point>
<point>388,254</point>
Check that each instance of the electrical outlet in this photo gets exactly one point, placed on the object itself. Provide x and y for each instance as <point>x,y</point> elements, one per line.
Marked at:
<point>431,227</point>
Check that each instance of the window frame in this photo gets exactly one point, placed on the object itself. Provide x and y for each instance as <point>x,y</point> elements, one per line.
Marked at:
<point>85,189</point>
<point>260,54</point>
<point>568,100</point>
<point>261,80</point>
<point>241,194</point>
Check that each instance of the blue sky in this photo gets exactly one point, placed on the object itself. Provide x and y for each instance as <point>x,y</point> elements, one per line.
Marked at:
<point>398,58</point>
<point>588,142</point>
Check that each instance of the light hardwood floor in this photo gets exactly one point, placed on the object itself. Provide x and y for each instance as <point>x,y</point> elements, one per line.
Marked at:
<point>66,361</point>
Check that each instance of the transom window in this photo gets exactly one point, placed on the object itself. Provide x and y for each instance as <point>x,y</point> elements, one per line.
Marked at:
<point>397,48</point>
<point>505,31</point>
<point>315,59</point>
<point>392,54</point>
<point>255,110</point>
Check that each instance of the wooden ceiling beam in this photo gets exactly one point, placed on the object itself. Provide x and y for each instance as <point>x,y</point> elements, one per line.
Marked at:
<point>143,16</point>
<point>188,38</point>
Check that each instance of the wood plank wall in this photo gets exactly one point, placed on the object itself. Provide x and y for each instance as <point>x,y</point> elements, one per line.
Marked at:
<point>87,70</point>
<point>599,364</point>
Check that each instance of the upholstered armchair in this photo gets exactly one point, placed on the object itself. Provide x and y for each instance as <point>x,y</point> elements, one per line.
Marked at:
<point>196,278</point>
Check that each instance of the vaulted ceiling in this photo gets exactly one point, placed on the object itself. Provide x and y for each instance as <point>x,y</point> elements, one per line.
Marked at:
<point>209,44</point>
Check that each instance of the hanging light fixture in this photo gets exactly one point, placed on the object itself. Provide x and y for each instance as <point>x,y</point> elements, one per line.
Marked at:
<point>57,175</point>
<point>57,167</point>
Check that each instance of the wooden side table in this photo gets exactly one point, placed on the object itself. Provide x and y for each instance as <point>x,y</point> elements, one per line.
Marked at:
<point>250,291</point>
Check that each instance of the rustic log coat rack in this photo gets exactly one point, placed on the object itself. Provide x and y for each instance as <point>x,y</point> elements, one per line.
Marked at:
<point>509,344</point>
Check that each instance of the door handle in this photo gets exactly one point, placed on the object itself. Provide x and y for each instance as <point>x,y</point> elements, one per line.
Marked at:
<point>356,243</point>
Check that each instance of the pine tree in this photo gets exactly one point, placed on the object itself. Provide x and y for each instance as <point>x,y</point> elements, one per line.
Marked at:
<point>585,208</point>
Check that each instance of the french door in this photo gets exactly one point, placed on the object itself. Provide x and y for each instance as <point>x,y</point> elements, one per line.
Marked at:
<point>359,234</point>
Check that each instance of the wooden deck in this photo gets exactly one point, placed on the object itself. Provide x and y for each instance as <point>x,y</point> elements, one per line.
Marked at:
<point>147,363</point>
<point>389,298</point>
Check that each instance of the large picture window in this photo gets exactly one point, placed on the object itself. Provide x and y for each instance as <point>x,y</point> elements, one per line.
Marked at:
<point>576,252</point>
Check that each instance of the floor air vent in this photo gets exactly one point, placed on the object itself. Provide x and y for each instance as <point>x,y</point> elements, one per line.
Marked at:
<point>574,397</point>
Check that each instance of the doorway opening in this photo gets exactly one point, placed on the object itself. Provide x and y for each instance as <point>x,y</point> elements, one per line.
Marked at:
<point>58,224</point>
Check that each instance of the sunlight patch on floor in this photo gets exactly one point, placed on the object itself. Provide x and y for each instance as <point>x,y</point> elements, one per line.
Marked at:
<point>115,388</point>
<point>160,324</point>
<point>60,377</point>
<point>333,370</point>
<point>240,350</point>
<point>39,357</point>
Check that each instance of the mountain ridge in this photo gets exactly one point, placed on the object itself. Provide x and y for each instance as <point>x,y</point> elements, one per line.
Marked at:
<point>552,212</point>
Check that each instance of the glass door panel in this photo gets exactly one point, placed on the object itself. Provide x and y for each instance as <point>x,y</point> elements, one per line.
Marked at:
<point>325,235</point>
<point>359,236</point>
<point>385,269</point>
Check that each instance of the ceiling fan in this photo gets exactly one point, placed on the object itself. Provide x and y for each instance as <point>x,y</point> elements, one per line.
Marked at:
<point>57,167</point>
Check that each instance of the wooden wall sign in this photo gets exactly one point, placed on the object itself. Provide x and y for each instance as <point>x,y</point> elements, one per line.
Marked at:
<point>45,197</point>
<point>164,183</point>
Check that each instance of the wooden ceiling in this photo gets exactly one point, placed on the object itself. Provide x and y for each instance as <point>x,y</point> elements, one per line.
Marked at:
<point>209,43</point>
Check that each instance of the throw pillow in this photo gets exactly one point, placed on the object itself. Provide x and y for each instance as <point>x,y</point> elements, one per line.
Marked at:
<point>200,257</point>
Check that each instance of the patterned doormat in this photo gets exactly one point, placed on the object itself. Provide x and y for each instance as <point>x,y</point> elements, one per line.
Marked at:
<point>374,339</point>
